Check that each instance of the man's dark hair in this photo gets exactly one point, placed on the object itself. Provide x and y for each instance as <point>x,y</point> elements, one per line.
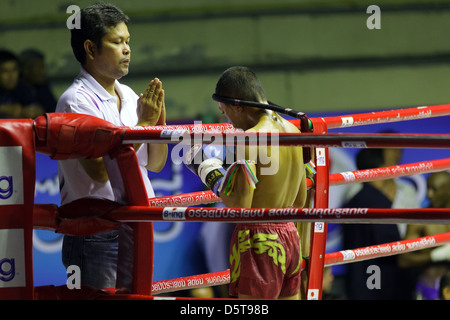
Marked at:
<point>95,21</point>
<point>6,55</point>
<point>369,158</point>
<point>28,56</point>
<point>240,83</point>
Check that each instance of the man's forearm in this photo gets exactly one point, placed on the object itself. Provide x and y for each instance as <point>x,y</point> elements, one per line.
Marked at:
<point>157,157</point>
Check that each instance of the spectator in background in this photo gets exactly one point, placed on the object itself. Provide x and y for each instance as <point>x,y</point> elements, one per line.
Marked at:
<point>444,286</point>
<point>15,99</point>
<point>327,286</point>
<point>428,265</point>
<point>10,99</point>
<point>377,194</point>
<point>33,73</point>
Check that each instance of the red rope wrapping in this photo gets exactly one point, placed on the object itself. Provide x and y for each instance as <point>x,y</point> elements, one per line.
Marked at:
<point>387,249</point>
<point>171,133</point>
<point>351,120</point>
<point>196,281</point>
<point>258,215</point>
<point>387,116</point>
<point>185,200</point>
<point>332,140</point>
<point>389,172</point>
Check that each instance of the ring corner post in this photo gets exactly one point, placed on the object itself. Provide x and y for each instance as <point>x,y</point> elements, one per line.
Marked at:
<point>142,231</point>
<point>319,229</point>
<point>17,186</point>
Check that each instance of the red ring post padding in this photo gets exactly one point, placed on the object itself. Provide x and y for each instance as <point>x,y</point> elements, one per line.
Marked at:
<point>68,136</point>
<point>17,183</point>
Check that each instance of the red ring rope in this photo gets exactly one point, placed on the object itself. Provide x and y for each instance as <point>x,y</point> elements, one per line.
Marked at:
<point>336,140</point>
<point>257,215</point>
<point>331,122</point>
<point>196,281</point>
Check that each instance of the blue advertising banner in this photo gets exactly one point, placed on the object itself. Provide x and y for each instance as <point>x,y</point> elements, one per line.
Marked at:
<point>183,249</point>
<point>48,268</point>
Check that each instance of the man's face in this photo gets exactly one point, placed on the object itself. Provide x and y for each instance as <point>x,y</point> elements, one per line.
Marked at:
<point>35,73</point>
<point>392,156</point>
<point>113,60</point>
<point>231,113</point>
<point>9,75</point>
<point>438,190</point>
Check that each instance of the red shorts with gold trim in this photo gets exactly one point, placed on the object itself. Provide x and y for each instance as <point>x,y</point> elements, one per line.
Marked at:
<point>265,260</point>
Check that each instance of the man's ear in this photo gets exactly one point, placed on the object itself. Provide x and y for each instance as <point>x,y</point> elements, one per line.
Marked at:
<point>90,48</point>
<point>239,109</point>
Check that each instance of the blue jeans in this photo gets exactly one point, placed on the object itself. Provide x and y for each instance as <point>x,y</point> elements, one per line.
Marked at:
<point>97,257</point>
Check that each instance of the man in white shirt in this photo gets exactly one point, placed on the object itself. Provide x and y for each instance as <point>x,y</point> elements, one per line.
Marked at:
<point>102,48</point>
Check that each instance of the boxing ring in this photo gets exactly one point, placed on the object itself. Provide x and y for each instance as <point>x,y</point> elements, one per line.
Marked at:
<point>69,136</point>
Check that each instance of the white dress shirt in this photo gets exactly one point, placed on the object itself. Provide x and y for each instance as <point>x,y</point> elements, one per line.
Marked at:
<point>87,96</point>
